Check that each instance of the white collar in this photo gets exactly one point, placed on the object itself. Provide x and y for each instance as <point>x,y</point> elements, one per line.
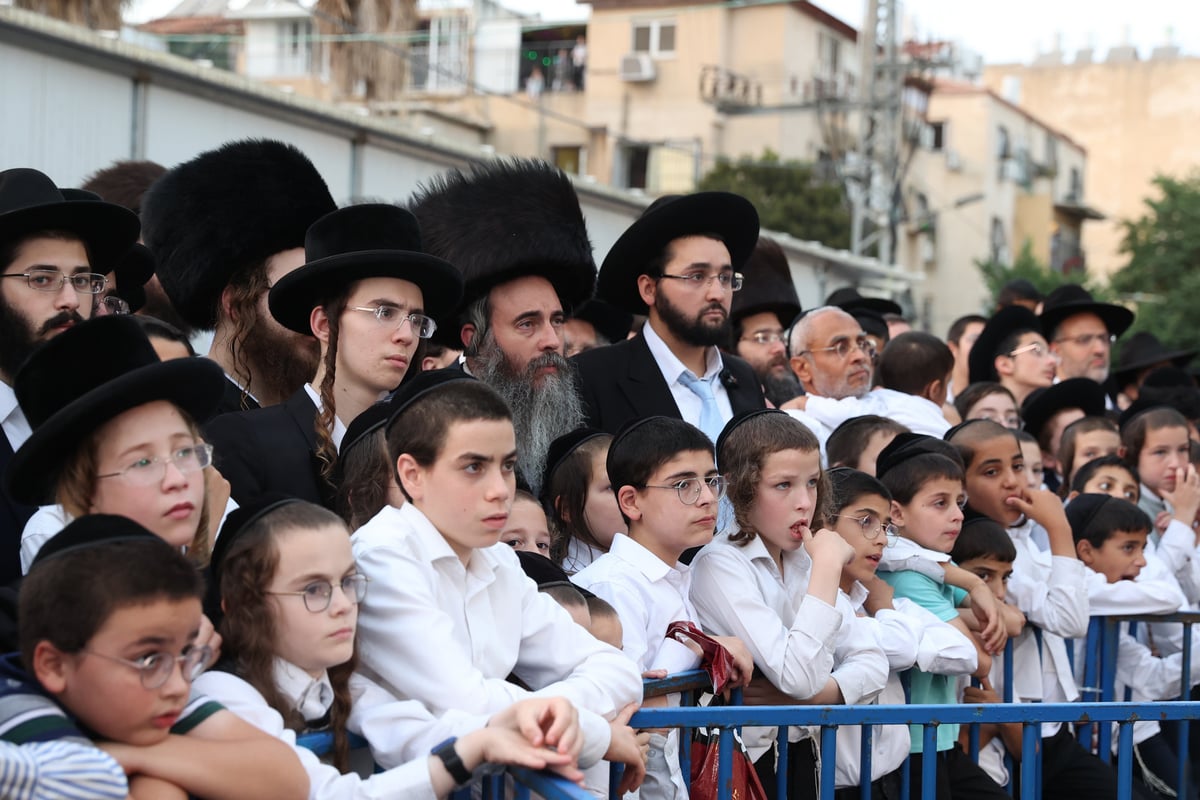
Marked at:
<point>670,364</point>
<point>8,401</point>
<point>904,548</point>
<point>243,389</point>
<point>755,550</point>
<point>650,565</point>
<point>311,697</point>
<point>339,428</point>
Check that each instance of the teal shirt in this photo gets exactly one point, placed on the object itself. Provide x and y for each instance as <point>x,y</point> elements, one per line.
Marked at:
<point>926,687</point>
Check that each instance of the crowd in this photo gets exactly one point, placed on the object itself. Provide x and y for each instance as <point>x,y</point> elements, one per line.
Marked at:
<point>443,484</point>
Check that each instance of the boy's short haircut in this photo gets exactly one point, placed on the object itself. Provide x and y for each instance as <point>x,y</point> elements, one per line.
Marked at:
<point>67,598</point>
<point>848,440</point>
<point>907,478</point>
<point>847,485</point>
<point>421,429</point>
<point>645,445</point>
<point>966,436</point>
<point>1096,518</point>
<point>1025,437</point>
<point>983,538</point>
<point>964,401</point>
<point>599,607</point>
<point>912,361</point>
<point>1066,447</point>
<point>1194,452</point>
<point>959,326</point>
<point>565,594</point>
<point>528,497</point>
<point>1018,289</point>
<point>1134,430</point>
<point>1013,340</point>
<point>1088,471</point>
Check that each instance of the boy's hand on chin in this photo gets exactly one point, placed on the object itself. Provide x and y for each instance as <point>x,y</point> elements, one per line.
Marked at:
<point>1185,498</point>
<point>1041,505</point>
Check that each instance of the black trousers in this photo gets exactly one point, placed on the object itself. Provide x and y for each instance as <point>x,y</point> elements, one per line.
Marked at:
<point>803,780</point>
<point>958,778</point>
<point>885,788</point>
<point>1068,770</point>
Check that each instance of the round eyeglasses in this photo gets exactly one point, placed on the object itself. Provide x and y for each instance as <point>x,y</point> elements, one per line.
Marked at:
<point>51,280</point>
<point>689,489</point>
<point>155,669</point>
<point>318,595</point>
<point>764,337</point>
<point>842,348</point>
<point>149,471</point>
<point>698,280</point>
<point>872,526</point>
<point>422,325</point>
<point>111,305</point>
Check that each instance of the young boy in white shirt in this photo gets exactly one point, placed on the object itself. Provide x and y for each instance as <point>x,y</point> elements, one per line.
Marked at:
<point>668,489</point>
<point>1110,537</point>
<point>451,613</point>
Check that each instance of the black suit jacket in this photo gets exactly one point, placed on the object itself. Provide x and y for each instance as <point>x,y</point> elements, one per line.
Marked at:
<point>622,382</point>
<point>233,399</point>
<point>13,517</point>
<point>270,449</point>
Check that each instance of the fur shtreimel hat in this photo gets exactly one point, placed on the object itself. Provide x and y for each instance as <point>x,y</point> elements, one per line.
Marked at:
<point>505,219</point>
<point>224,212</point>
<point>768,286</point>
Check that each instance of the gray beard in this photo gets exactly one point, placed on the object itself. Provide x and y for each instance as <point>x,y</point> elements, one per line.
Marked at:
<point>541,414</point>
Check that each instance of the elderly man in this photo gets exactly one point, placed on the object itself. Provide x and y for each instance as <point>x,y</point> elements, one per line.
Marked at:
<point>831,354</point>
<point>1081,331</point>
<point>515,230</point>
<point>54,254</point>
<point>679,264</point>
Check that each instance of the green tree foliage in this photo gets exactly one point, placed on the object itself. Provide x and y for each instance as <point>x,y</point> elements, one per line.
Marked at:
<point>1027,266</point>
<point>789,195</point>
<point>1163,273</point>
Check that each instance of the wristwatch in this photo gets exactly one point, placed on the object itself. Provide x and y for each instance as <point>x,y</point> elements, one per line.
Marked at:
<point>454,765</point>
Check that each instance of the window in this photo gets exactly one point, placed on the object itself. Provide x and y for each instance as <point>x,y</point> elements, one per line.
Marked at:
<point>1076,191</point>
<point>656,37</point>
<point>828,55</point>
<point>637,166</point>
<point>568,159</point>
<point>1003,150</point>
<point>999,243</point>
<point>937,131</point>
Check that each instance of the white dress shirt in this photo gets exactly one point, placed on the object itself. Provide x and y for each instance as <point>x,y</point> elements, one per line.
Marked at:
<point>339,427</point>
<point>687,401</point>
<point>915,413</point>
<point>448,634</point>
<point>579,555</point>
<point>12,418</point>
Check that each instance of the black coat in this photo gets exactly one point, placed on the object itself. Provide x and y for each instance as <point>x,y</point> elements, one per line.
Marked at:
<point>622,382</point>
<point>270,449</point>
<point>13,517</point>
<point>233,399</point>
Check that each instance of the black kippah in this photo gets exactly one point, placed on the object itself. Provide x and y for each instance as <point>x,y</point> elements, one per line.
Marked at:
<point>911,445</point>
<point>91,530</point>
<point>560,449</point>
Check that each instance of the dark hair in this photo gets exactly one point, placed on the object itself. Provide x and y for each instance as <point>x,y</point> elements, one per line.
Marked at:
<point>125,182</point>
<point>1133,432</point>
<point>977,391</point>
<point>526,497</point>
<point>365,472</point>
<point>245,287</point>
<point>845,445</point>
<point>904,480</point>
<point>248,629</point>
<point>983,538</point>
<point>9,249</point>
<point>66,598</point>
<point>1017,289</point>
<point>744,453</point>
<point>421,429</point>
<point>564,594</point>
<point>654,266</point>
<point>966,438</point>
<point>1088,471</point>
<point>1066,446</point>
<point>912,361</point>
<point>1194,452</point>
<point>1113,516</point>
<point>634,456</point>
<point>155,328</point>
<point>599,607</point>
<point>1012,340</point>
<point>1025,437</point>
<point>327,452</point>
<point>959,326</point>
<point>847,485</point>
<point>566,497</point>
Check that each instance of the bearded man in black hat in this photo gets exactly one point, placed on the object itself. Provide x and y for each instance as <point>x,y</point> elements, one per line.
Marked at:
<point>760,315</point>
<point>679,263</point>
<point>224,228</point>
<point>1081,331</point>
<point>54,254</point>
<point>515,230</point>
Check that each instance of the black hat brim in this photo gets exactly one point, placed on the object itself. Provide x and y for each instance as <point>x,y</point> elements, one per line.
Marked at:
<point>193,384</point>
<point>107,229</point>
<point>1127,374</point>
<point>1116,319</point>
<point>982,361</point>
<point>1082,393</point>
<point>296,294</point>
<point>724,214</point>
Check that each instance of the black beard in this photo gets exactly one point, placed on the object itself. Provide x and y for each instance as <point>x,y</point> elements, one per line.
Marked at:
<point>18,340</point>
<point>693,331</point>
<point>779,387</point>
<point>279,361</point>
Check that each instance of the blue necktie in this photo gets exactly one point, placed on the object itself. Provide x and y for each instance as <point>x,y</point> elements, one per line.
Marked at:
<point>710,416</point>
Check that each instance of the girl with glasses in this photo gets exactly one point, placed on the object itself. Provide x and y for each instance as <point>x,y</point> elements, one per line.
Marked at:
<point>291,593</point>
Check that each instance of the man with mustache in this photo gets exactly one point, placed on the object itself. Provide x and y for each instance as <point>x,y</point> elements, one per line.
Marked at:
<point>680,264</point>
<point>760,315</point>
<point>54,254</point>
<point>515,230</point>
<point>224,228</point>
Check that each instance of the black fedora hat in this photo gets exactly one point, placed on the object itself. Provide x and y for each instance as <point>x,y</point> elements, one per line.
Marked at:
<point>86,376</point>
<point>1005,322</point>
<point>1071,299</point>
<point>131,269</point>
<point>768,286</point>
<point>849,299</point>
<point>373,240</point>
<point>1143,350</point>
<point>30,202</point>
<point>724,214</point>
<point>1042,404</point>
<point>609,321</point>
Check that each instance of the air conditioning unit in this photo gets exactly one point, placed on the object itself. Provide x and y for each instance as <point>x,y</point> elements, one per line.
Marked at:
<point>637,68</point>
<point>953,162</point>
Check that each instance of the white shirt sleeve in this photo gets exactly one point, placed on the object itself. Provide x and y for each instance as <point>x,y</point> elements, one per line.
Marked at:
<point>1058,604</point>
<point>796,656</point>
<point>44,525</point>
<point>1176,548</point>
<point>1132,597</point>
<point>942,649</point>
<point>862,668</point>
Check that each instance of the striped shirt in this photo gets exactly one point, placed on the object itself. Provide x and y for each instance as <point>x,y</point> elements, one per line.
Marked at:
<point>59,771</point>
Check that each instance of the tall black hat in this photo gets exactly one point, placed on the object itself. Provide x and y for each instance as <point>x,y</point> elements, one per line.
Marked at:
<point>86,376</point>
<point>1143,350</point>
<point>730,217</point>
<point>30,202</point>
<point>1042,404</point>
<point>373,240</point>
<point>1006,321</point>
<point>506,219</point>
<point>1071,299</point>
<point>223,213</point>
<point>768,285</point>
<point>849,299</point>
